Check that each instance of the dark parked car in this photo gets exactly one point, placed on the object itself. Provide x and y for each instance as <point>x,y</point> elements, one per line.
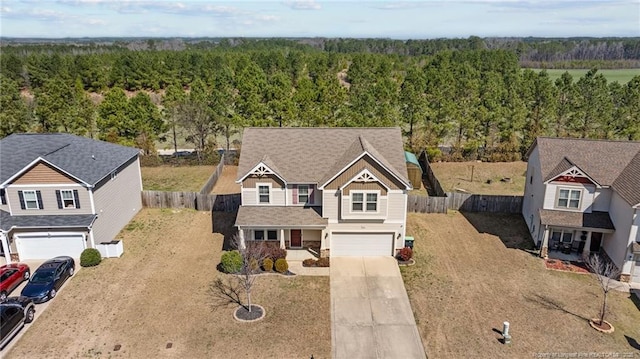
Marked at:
<point>15,312</point>
<point>48,278</point>
<point>11,275</point>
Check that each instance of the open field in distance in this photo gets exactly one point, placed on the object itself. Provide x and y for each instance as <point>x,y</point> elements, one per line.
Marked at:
<point>621,75</point>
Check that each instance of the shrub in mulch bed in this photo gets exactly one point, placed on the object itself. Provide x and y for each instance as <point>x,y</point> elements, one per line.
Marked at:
<point>312,262</point>
<point>405,254</point>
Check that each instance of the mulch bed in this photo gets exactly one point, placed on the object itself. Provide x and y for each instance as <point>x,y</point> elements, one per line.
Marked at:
<point>566,266</point>
<point>257,312</point>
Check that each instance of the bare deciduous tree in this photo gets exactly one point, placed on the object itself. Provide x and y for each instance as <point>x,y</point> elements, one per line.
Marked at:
<point>605,273</point>
<point>228,290</point>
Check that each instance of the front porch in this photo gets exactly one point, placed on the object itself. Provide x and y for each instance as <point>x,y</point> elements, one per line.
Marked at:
<point>291,227</point>
<point>569,236</point>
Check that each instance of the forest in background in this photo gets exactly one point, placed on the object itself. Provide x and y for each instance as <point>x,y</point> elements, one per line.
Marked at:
<point>473,95</point>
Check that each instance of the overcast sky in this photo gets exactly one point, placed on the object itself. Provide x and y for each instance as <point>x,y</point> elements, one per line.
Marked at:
<point>311,18</point>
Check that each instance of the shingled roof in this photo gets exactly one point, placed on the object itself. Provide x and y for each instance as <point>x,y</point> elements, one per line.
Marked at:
<point>313,155</point>
<point>7,221</point>
<point>83,158</point>
<point>609,163</point>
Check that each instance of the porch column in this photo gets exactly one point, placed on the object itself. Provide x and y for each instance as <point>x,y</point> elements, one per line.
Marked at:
<point>282,245</point>
<point>241,236</point>
<point>544,249</point>
<point>93,241</point>
<point>587,245</point>
<point>5,246</point>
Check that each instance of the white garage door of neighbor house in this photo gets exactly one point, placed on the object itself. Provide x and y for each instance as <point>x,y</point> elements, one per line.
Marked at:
<point>636,271</point>
<point>44,246</point>
<point>361,244</point>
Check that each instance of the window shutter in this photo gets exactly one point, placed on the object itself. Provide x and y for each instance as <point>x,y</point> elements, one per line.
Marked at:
<point>76,197</point>
<point>39,195</point>
<point>3,196</point>
<point>295,194</point>
<point>21,196</point>
<point>59,198</point>
<point>311,193</point>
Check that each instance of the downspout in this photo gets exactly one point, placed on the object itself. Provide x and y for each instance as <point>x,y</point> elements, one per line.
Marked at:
<point>93,243</point>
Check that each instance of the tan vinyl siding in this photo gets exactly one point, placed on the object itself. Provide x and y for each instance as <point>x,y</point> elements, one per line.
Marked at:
<point>330,204</point>
<point>250,181</point>
<point>42,173</point>
<point>249,196</point>
<point>373,167</point>
<point>117,201</point>
<point>366,186</point>
<point>49,200</point>
<point>309,235</point>
<point>396,207</point>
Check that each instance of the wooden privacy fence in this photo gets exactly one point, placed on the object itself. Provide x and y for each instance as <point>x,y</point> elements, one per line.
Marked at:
<point>429,179</point>
<point>193,200</point>
<point>211,182</point>
<point>465,202</point>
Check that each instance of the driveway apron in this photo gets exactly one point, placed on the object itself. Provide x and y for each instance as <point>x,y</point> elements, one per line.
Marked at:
<point>370,312</point>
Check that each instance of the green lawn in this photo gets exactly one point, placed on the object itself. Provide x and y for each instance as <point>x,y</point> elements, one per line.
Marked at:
<point>621,75</point>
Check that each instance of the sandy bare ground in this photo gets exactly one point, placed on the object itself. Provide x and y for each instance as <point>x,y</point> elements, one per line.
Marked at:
<point>156,296</point>
<point>474,271</point>
<point>226,183</point>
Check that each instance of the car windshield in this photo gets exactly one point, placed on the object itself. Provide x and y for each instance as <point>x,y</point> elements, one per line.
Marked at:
<point>42,277</point>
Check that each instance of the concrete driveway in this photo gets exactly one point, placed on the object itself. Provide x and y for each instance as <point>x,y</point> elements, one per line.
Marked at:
<point>40,308</point>
<point>370,312</point>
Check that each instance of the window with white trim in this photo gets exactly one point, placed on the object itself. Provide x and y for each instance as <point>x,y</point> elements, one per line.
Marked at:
<point>303,193</point>
<point>561,236</point>
<point>362,201</point>
<point>263,193</point>
<point>30,200</point>
<point>68,200</point>
<point>269,235</point>
<point>569,198</point>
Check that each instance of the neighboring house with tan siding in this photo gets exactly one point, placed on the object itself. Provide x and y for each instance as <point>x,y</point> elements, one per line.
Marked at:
<point>61,193</point>
<point>583,196</point>
<point>339,191</point>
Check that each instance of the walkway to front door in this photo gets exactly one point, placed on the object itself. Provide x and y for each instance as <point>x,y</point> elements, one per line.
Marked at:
<point>370,312</point>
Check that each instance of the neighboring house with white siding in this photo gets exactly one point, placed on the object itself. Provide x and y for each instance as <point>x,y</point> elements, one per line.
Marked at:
<point>61,193</point>
<point>340,191</point>
<point>583,196</point>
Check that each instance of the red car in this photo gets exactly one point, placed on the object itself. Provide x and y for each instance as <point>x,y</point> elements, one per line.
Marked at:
<point>11,275</point>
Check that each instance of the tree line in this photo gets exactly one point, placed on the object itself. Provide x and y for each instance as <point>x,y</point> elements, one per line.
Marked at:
<point>480,102</point>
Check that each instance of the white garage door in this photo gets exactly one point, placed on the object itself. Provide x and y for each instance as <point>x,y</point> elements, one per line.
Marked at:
<point>636,271</point>
<point>44,245</point>
<point>361,244</point>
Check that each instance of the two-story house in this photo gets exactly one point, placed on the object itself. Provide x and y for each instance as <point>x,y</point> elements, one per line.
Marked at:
<point>342,191</point>
<point>583,196</point>
<point>61,193</point>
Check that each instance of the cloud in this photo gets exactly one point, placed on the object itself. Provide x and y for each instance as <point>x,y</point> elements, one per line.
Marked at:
<point>94,22</point>
<point>303,4</point>
<point>403,5</point>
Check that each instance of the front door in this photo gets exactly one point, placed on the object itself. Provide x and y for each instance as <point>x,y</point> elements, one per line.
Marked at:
<point>296,238</point>
<point>596,241</point>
